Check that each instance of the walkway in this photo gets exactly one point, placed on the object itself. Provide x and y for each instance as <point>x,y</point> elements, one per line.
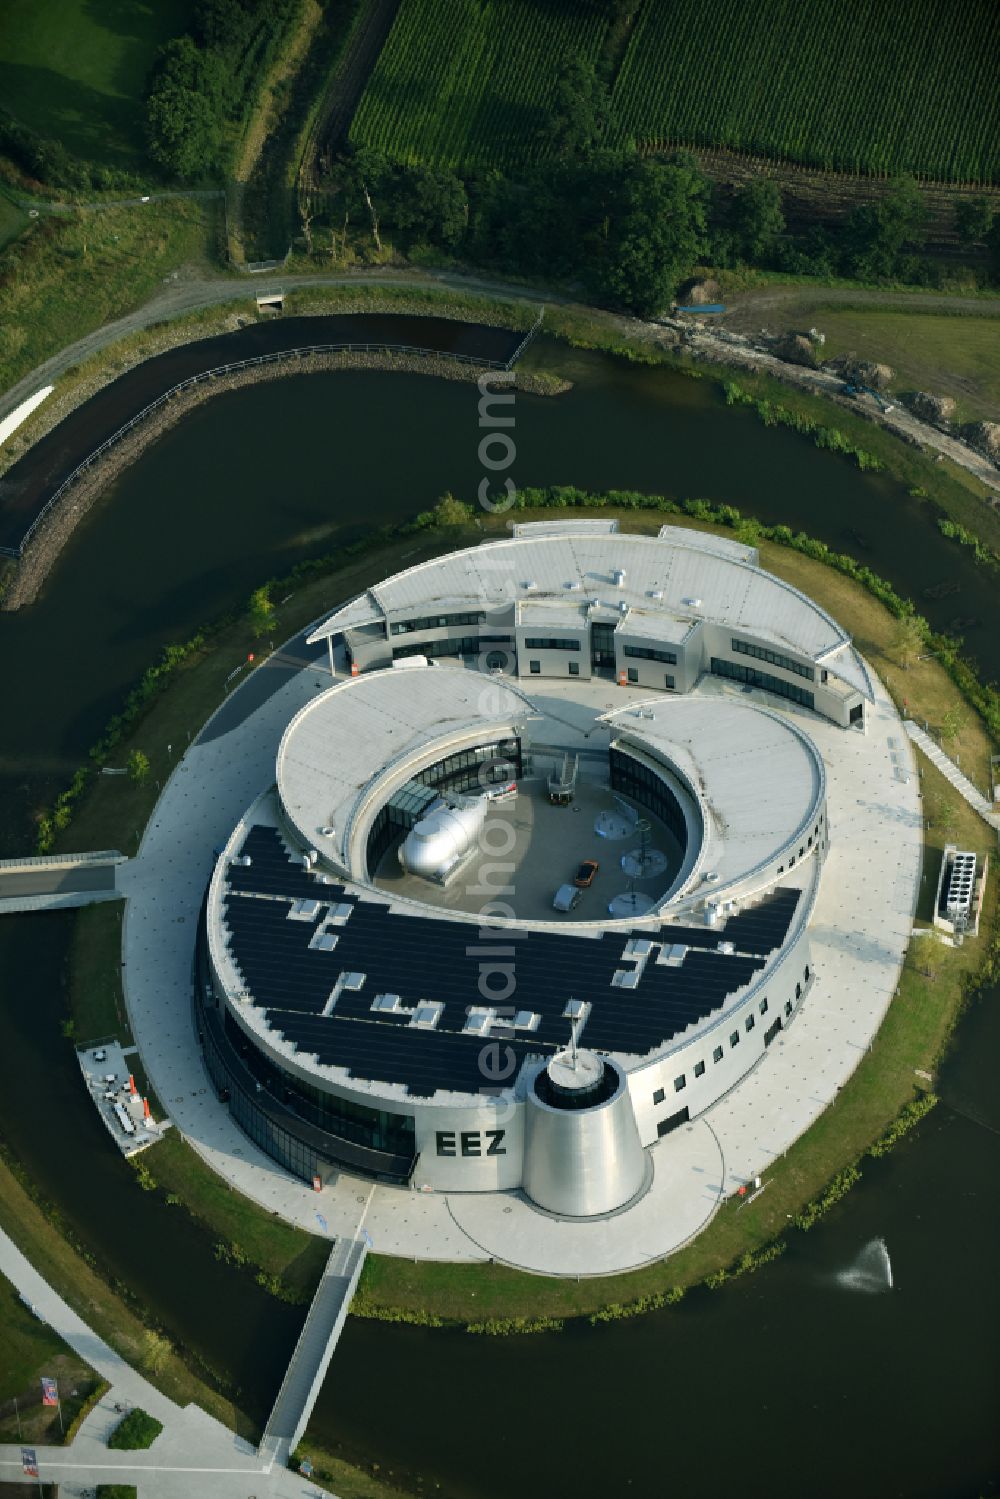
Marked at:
<point>45,884</point>
<point>193,1455</point>
<point>966,790</point>
<point>319,1337</point>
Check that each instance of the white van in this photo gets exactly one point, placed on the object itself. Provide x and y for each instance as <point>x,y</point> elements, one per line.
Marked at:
<point>567,897</point>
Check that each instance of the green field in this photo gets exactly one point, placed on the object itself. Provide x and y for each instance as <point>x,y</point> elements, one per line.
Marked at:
<point>847,85</point>
<point>465,82</point>
<point>951,356</point>
<point>76,70</point>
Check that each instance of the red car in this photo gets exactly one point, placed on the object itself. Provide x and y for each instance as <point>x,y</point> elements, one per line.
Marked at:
<point>586,872</point>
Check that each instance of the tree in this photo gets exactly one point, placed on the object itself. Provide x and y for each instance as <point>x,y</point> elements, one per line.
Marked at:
<point>758,220</point>
<point>877,234</point>
<point>973,220</point>
<point>449,512</point>
<point>652,235</point>
<point>577,114</point>
<point>907,640</point>
<point>185,109</point>
<point>432,204</point>
<point>261,610</point>
<point>137,766</point>
<point>953,722</point>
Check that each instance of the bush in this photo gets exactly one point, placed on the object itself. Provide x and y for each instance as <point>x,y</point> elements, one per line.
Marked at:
<point>138,1431</point>
<point>117,1491</point>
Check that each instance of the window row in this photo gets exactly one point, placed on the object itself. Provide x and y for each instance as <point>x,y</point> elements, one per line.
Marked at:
<point>551,643</point>
<point>754,678</point>
<point>434,622</point>
<point>749,1024</point>
<point>633,676</point>
<point>761,653</point>
<point>647,653</point>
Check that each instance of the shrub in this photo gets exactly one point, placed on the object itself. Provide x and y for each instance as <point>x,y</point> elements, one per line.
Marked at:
<point>138,1430</point>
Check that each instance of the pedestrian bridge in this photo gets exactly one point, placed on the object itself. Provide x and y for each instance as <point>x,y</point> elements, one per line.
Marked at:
<point>314,1350</point>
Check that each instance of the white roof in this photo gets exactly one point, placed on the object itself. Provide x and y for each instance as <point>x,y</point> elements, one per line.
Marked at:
<point>348,736</point>
<point>759,778</point>
<point>707,541</point>
<point>729,589</point>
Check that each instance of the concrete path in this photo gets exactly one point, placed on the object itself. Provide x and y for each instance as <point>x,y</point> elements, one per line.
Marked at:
<point>858,942</point>
<point>966,790</point>
<point>45,884</point>
<point>193,1455</point>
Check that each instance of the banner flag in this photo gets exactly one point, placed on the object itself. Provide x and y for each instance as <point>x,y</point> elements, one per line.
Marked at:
<point>50,1391</point>
<point>29,1462</point>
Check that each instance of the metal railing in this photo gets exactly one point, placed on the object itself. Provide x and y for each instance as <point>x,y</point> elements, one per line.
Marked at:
<point>309,350</point>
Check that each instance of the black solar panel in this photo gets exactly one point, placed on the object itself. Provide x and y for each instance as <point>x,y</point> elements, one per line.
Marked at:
<point>426,958</point>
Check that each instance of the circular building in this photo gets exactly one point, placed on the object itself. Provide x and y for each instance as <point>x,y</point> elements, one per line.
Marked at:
<point>439,950</point>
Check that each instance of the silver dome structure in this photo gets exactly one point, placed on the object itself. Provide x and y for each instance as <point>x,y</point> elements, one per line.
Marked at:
<point>437,845</point>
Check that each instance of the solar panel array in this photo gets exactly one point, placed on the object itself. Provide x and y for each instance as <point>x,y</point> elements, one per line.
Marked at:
<point>301,988</point>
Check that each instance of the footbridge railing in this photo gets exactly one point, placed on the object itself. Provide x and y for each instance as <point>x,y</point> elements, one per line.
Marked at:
<point>278,356</point>
<point>314,1350</point>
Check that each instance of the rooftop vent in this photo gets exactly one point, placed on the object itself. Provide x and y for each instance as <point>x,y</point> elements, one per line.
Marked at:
<point>692,603</point>
<point>574,1009</point>
<point>623,607</point>
<point>386,1004</point>
<point>656,593</point>
<point>303,910</point>
<point>426,1016</point>
<point>529,584</point>
<point>626,978</point>
<point>526,1020</point>
<point>478,1021</point>
<point>574,585</point>
<point>619,577</point>
<point>322,941</point>
<point>329,831</point>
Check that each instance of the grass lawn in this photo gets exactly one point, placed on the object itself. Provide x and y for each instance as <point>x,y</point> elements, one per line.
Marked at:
<point>950,356</point>
<point>117,1491</point>
<point>263,1239</point>
<point>29,1349</point>
<point>96,1004</point>
<point>76,70</point>
<point>69,274</point>
<point>12,220</point>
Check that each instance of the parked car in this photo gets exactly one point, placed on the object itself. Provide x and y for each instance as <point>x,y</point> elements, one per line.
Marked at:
<point>566,897</point>
<point>586,873</point>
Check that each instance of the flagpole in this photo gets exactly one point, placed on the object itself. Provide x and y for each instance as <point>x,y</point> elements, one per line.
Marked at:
<point>17,1415</point>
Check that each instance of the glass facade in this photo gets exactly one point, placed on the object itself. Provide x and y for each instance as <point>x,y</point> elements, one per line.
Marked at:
<point>550,643</point>
<point>434,622</point>
<point>775,658</point>
<point>643,785</point>
<point>754,678</point>
<point>468,770</point>
<point>297,1125</point>
<point>602,646</point>
<point>463,645</point>
<point>647,653</point>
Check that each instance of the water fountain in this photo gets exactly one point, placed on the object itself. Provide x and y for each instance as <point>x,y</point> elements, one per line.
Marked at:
<point>871,1272</point>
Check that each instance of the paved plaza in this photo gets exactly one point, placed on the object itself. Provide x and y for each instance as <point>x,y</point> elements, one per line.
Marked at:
<point>859,932</point>
<point>194,1454</point>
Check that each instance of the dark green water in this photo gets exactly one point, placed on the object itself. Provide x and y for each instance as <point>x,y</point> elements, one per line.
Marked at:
<point>789,1383</point>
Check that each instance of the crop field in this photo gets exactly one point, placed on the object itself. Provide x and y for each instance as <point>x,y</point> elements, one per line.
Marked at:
<point>464,82</point>
<point>858,86</point>
<point>76,70</point>
<point>846,85</point>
